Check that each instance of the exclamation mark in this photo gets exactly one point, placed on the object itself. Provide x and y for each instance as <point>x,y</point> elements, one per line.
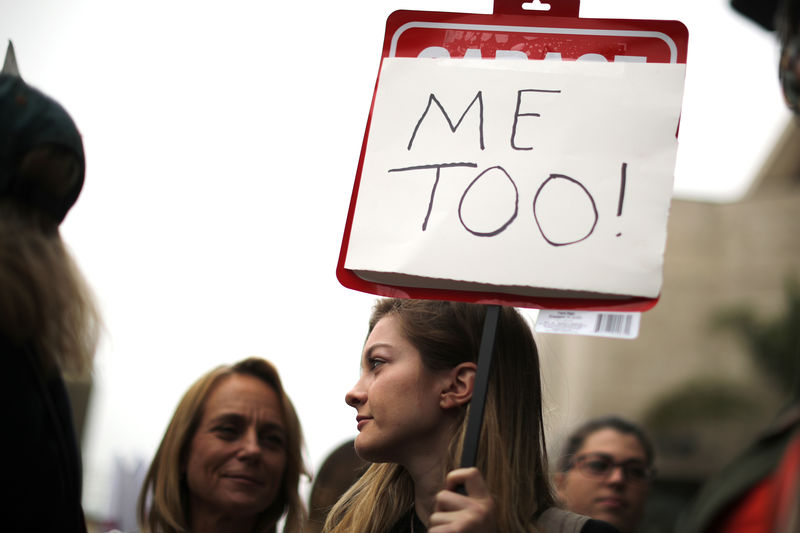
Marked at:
<point>622,190</point>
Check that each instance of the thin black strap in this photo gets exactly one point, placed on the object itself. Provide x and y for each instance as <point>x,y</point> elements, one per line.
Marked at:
<point>470,451</point>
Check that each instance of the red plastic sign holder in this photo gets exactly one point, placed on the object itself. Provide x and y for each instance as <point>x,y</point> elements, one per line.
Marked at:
<point>557,33</point>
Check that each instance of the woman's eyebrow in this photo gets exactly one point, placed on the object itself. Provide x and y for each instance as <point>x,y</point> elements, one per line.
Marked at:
<point>368,354</point>
<point>375,346</point>
<point>236,418</point>
<point>227,417</point>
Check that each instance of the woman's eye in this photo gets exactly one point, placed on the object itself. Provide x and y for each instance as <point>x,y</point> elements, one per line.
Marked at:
<point>226,431</point>
<point>598,466</point>
<point>274,440</point>
<point>374,363</point>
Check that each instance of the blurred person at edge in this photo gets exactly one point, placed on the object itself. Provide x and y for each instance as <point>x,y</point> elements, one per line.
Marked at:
<point>340,469</point>
<point>605,472</point>
<point>48,320</point>
<point>759,491</point>
<point>231,458</point>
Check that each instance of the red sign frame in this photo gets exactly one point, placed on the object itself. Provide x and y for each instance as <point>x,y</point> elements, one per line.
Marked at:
<point>512,30</point>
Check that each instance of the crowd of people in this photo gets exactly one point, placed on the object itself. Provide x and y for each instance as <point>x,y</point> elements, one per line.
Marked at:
<point>231,458</point>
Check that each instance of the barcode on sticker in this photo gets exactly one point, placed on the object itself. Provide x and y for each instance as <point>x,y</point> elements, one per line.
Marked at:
<point>592,323</point>
<point>614,324</point>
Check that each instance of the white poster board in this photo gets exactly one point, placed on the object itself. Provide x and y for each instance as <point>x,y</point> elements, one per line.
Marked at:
<point>530,177</point>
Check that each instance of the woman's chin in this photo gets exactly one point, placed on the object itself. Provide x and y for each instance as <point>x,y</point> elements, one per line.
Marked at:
<point>368,451</point>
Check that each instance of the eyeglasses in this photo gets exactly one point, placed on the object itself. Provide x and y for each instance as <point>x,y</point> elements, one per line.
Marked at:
<point>789,72</point>
<point>788,26</point>
<point>600,465</point>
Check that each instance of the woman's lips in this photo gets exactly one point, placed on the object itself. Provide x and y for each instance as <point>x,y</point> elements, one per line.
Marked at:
<point>361,421</point>
<point>612,502</point>
<point>245,478</point>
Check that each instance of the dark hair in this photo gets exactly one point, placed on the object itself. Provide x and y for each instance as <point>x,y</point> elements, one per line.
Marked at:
<point>787,19</point>
<point>578,437</point>
<point>338,472</point>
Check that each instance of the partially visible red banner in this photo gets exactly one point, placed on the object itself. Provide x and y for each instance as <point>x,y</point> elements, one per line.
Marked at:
<point>421,34</point>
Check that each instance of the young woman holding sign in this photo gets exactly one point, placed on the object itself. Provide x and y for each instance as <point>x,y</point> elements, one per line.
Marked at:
<point>418,369</point>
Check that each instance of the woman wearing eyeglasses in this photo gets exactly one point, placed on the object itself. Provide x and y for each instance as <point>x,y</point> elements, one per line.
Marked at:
<point>605,472</point>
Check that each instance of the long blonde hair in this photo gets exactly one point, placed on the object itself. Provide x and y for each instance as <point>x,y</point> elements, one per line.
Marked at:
<point>164,499</point>
<point>511,451</point>
<point>46,303</point>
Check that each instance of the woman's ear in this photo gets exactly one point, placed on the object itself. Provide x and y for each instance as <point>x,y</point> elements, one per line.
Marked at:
<point>459,385</point>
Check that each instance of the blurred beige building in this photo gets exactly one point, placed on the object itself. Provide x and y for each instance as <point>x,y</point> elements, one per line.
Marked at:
<point>717,256</point>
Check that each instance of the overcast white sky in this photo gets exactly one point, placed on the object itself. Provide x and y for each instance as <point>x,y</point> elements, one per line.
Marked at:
<point>222,140</point>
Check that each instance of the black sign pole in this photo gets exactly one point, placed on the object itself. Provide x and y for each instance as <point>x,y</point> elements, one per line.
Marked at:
<point>470,451</point>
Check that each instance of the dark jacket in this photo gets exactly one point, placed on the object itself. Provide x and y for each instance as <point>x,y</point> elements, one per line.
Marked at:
<point>564,522</point>
<point>42,467</point>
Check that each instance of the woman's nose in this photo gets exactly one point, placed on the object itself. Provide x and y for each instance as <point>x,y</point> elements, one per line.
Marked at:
<point>617,474</point>
<point>355,396</point>
<point>250,446</point>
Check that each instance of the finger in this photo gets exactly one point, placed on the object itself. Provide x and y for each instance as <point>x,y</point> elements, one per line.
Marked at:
<point>440,518</point>
<point>470,478</point>
<point>457,513</point>
<point>463,520</point>
<point>448,501</point>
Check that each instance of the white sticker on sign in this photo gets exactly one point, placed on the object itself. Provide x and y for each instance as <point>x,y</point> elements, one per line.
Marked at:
<point>518,176</point>
<point>592,323</point>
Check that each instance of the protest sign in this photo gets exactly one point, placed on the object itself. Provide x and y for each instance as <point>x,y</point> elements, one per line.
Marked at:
<point>515,162</point>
